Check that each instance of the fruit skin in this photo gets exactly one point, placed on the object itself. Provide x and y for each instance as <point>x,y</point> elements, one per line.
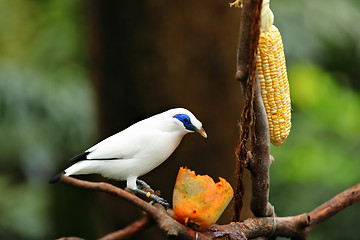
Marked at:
<point>198,201</point>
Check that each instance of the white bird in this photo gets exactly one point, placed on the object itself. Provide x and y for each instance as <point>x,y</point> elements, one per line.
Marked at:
<point>136,150</point>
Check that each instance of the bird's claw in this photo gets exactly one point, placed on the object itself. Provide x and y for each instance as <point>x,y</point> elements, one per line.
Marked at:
<point>162,202</point>
<point>157,199</point>
<point>143,184</point>
<point>153,197</point>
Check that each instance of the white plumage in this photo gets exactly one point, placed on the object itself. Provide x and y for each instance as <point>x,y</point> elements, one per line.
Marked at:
<point>138,149</point>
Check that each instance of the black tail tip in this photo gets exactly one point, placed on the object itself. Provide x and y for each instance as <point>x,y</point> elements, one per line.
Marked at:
<point>56,178</point>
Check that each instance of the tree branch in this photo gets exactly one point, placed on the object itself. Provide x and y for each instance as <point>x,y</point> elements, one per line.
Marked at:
<point>112,190</point>
<point>168,225</point>
<point>246,74</point>
<point>130,230</point>
<point>248,39</point>
<point>263,227</point>
<point>296,227</point>
<point>254,126</point>
<point>334,205</point>
<point>259,164</point>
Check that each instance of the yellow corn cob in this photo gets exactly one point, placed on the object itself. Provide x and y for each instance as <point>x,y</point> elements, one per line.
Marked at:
<point>272,74</point>
<point>274,83</point>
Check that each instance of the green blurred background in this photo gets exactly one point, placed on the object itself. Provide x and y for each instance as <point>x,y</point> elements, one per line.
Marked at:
<point>73,72</point>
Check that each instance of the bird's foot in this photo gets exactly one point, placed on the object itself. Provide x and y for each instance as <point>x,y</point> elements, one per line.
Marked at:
<point>152,197</point>
<point>143,184</point>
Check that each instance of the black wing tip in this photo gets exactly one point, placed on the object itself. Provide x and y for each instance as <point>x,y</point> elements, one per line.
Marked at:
<point>56,178</point>
<point>79,157</point>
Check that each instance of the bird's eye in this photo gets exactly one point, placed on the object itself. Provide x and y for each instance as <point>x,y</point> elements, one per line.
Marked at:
<point>186,120</point>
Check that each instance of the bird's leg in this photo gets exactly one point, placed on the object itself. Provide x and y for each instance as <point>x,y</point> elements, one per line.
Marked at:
<point>132,185</point>
<point>143,184</point>
<point>152,197</point>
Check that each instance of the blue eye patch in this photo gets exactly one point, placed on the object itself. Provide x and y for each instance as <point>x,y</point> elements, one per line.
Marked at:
<point>185,119</point>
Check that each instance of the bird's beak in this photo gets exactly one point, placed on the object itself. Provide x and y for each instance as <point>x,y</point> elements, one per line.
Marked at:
<point>202,132</point>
